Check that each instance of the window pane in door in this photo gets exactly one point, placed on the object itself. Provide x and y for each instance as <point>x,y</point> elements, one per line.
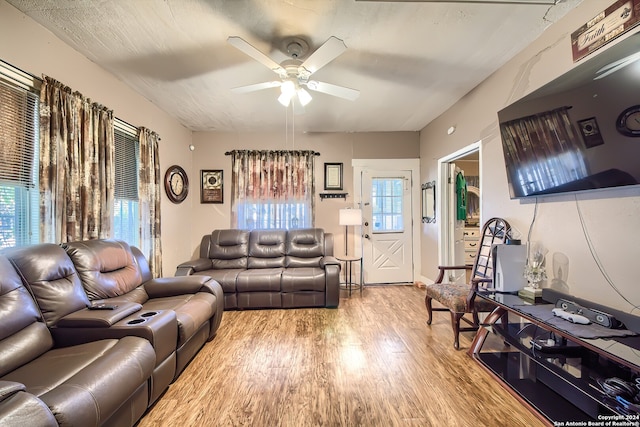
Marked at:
<point>386,203</point>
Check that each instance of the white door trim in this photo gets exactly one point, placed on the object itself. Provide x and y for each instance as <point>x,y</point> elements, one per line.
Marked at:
<point>412,165</point>
<point>443,215</point>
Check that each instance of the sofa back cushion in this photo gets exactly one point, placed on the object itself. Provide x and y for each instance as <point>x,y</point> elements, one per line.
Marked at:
<point>52,279</point>
<point>23,336</point>
<point>305,247</point>
<point>267,248</point>
<point>227,249</point>
<point>107,268</point>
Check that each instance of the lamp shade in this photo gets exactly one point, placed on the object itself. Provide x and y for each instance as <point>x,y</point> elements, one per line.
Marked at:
<point>350,217</point>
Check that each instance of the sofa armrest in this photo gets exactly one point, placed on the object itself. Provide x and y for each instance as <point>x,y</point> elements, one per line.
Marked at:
<point>171,286</point>
<point>329,260</point>
<point>193,266</point>
<point>19,408</point>
<point>9,388</point>
<point>332,283</point>
<point>99,318</point>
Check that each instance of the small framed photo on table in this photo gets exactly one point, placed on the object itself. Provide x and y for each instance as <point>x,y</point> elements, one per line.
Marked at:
<point>211,186</point>
<point>333,176</point>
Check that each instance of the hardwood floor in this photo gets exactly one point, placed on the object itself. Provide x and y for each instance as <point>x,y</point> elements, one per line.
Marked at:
<point>372,362</point>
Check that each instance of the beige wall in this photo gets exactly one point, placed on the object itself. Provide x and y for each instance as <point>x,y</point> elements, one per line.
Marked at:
<point>28,46</point>
<point>333,148</point>
<point>610,217</point>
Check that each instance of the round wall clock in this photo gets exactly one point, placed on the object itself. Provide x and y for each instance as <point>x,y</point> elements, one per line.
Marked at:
<point>176,184</point>
<point>629,121</point>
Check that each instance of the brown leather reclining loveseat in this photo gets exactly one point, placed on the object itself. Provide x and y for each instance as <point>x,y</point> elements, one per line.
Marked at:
<point>60,355</point>
<point>270,268</point>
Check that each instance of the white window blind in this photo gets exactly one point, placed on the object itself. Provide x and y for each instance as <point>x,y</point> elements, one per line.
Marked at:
<point>19,142</point>
<point>126,202</point>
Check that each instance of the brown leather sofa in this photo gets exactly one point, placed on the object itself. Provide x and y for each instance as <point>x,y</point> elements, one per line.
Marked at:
<point>103,382</point>
<point>170,317</point>
<point>270,268</point>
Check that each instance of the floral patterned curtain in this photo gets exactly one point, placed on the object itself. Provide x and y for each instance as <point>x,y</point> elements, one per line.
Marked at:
<point>76,165</point>
<point>149,183</point>
<point>275,188</point>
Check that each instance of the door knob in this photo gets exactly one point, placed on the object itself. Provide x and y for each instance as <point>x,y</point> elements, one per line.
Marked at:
<point>366,236</point>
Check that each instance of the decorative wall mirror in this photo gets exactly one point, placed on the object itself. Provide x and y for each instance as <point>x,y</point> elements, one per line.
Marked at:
<point>429,202</point>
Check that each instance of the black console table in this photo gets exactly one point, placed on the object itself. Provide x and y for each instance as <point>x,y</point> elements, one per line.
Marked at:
<point>558,383</point>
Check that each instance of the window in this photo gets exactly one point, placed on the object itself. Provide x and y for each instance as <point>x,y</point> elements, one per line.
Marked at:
<point>274,214</point>
<point>19,135</point>
<point>386,200</point>
<point>126,218</point>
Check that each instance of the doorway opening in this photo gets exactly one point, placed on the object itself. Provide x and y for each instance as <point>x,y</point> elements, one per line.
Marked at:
<point>459,206</point>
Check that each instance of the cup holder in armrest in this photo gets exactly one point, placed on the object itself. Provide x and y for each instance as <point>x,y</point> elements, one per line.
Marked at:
<point>149,314</point>
<point>135,321</point>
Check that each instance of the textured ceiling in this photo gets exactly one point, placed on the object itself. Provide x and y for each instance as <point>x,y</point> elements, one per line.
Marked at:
<point>410,61</point>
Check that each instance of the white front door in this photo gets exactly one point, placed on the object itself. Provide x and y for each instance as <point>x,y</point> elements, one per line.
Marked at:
<point>387,226</point>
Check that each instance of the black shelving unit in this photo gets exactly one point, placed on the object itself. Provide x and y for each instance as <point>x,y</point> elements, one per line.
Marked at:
<point>558,387</point>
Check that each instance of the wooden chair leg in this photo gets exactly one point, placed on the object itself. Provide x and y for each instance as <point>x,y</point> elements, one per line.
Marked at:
<point>455,324</point>
<point>427,303</point>
<point>476,319</point>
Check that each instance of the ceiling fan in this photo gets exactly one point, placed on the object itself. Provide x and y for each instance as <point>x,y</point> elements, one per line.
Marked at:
<point>295,74</point>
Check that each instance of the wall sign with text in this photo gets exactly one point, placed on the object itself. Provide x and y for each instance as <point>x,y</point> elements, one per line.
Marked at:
<point>612,22</point>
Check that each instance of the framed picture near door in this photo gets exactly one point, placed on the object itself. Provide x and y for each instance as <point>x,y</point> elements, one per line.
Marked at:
<point>211,186</point>
<point>333,176</point>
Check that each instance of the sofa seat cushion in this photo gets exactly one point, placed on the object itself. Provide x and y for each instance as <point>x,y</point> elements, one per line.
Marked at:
<point>303,279</point>
<point>192,311</point>
<point>260,279</point>
<point>86,384</point>
<point>138,296</point>
<point>226,278</point>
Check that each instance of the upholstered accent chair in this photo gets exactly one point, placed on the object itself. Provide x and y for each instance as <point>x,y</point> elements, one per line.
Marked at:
<point>459,298</point>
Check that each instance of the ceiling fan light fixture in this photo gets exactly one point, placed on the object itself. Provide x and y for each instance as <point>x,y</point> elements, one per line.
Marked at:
<point>284,99</point>
<point>304,97</point>
<point>288,88</point>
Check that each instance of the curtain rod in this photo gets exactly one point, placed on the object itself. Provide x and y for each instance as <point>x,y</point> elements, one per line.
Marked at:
<point>229,153</point>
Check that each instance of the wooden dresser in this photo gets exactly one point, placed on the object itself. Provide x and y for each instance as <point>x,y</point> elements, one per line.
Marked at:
<point>471,241</point>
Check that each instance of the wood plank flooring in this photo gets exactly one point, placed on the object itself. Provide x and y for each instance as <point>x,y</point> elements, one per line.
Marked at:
<point>372,362</point>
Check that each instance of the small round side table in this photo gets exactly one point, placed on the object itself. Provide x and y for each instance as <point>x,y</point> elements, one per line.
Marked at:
<point>348,272</point>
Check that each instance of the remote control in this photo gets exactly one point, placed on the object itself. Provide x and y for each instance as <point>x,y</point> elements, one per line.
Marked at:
<point>571,317</point>
<point>102,307</point>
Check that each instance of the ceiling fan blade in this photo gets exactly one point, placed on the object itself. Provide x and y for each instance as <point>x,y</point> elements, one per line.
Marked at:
<point>245,47</point>
<point>533,2</point>
<point>326,53</point>
<point>335,90</point>
<point>255,87</point>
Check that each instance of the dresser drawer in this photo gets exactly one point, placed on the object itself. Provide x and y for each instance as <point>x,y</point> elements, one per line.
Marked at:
<point>471,233</point>
<point>470,257</point>
<point>471,245</point>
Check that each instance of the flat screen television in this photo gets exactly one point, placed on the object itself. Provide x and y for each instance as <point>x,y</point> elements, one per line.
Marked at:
<point>581,131</point>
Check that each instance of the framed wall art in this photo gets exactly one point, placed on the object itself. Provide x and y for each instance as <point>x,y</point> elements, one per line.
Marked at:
<point>333,176</point>
<point>211,186</point>
<point>590,132</point>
